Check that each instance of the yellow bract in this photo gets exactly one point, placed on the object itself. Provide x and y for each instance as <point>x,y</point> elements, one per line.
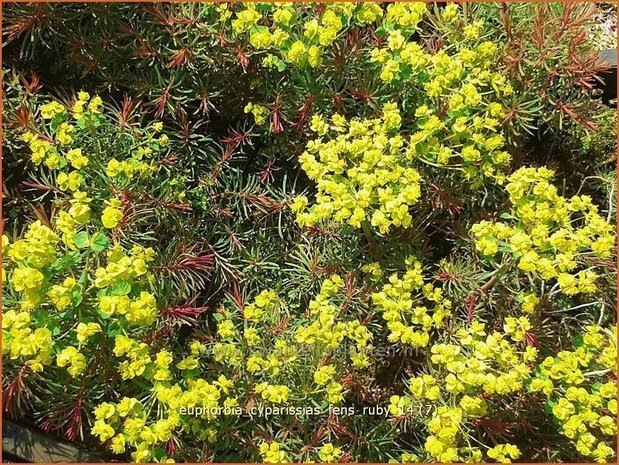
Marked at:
<point>74,361</point>
<point>546,233</point>
<point>271,453</point>
<point>20,340</point>
<point>404,304</point>
<point>583,411</point>
<point>361,173</point>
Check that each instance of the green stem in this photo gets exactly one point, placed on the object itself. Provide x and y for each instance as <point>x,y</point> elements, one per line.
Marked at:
<point>367,231</point>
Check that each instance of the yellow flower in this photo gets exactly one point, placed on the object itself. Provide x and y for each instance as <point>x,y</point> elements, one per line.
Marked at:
<point>27,279</point>
<point>261,39</point>
<point>245,20</point>
<point>95,104</point>
<point>102,430</point>
<point>324,374</point>
<point>143,311</point>
<point>369,12</point>
<point>528,262</point>
<point>274,393</point>
<point>49,110</point>
<point>118,444</point>
<point>71,181</point>
<point>504,453</point>
<point>297,53</point>
<point>112,214</point>
<point>314,56</point>
<point>529,302</point>
<point>259,112</point>
<point>271,453</point>
<point>77,159</point>
<point>283,16</point>
<point>329,453</point>
<point>86,330</point>
<point>73,360</point>
<point>60,295</point>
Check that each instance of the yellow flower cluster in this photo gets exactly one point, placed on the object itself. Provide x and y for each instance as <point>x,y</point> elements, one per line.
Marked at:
<point>441,444</point>
<point>282,27</point>
<point>58,266</point>
<point>71,181</point>
<point>267,360</point>
<point>139,312</point>
<point>86,330</point>
<point>466,371</point>
<point>72,359</point>
<point>324,374</point>
<point>298,43</point>
<point>134,165</point>
<point>20,340</point>
<point>362,174</point>
<point>406,15</point>
<point>227,353</point>
<point>124,424</point>
<point>400,301</point>
<point>329,453</point>
<point>272,453</point>
<point>263,304</point>
<point>60,295</point>
<point>546,233</point>
<point>93,106</point>
<point>31,255</point>
<point>367,171</point>
<point>37,249</point>
<point>325,328</point>
<point>586,410</point>
<point>128,168</point>
<point>124,267</point>
<point>124,270</point>
<point>246,18</point>
<point>33,277</point>
<point>504,453</point>
<point>51,109</point>
<point>42,150</point>
<point>46,150</point>
<point>58,152</point>
<point>139,362</point>
<point>112,213</point>
<point>192,362</point>
<point>68,223</point>
<point>458,118</point>
<point>65,134</point>
<point>259,112</point>
<point>77,159</point>
<point>278,394</point>
<point>262,361</point>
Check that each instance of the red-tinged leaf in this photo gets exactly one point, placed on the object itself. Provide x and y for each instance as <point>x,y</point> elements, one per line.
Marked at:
<point>16,396</point>
<point>242,57</point>
<point>531,339</point>
<point>276,116</point>
<point>179,58</point>
<point>470,308</point>
<point>187,314</point>
<point>304,112</point>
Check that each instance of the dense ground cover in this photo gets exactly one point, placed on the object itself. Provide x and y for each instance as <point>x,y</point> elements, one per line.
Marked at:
<point>310,232</point>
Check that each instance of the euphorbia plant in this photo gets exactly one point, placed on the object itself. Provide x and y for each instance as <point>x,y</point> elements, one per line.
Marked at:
<point>440,296</point>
